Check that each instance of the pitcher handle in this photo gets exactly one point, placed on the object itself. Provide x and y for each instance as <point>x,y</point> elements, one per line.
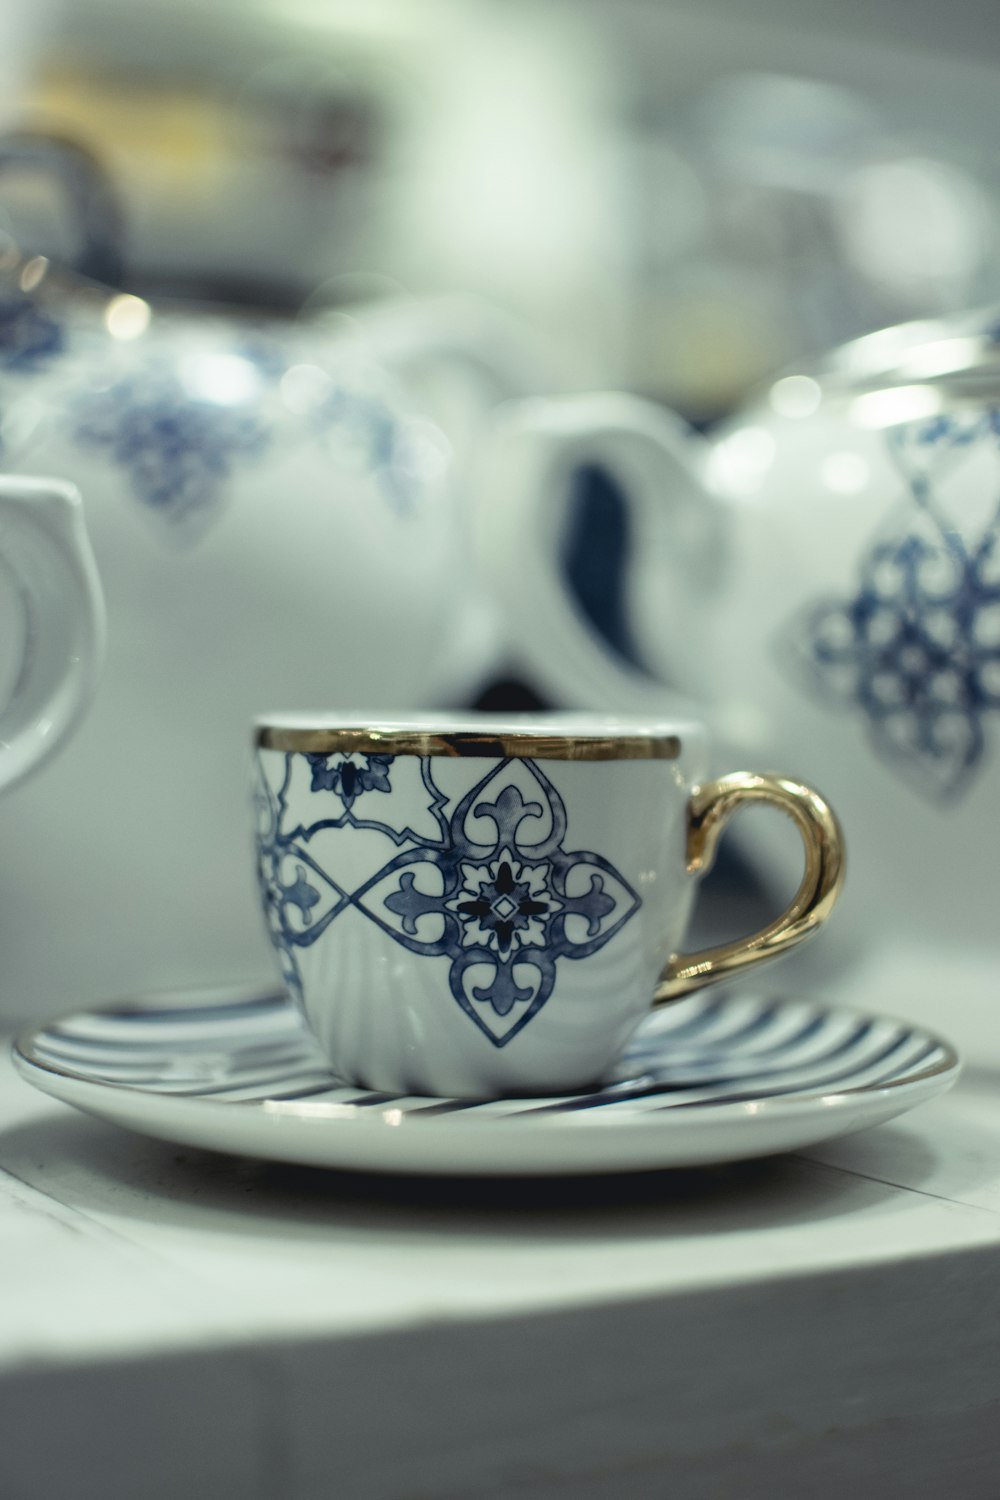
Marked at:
<point>91,198</point>
<point>46,555</point>
<point>522,487</point>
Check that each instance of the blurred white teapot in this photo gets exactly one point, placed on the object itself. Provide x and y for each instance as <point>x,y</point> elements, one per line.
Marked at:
<point>832,594</point>
<point>863,513</point>
<point>279,514</point>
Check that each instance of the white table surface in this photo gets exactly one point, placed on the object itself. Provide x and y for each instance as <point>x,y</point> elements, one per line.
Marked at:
<point>176,1322</point>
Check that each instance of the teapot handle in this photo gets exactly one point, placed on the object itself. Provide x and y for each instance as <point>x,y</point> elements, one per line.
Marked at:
<point>47,561</point>
<point>522,497</point>
<point>458,335</point>
<point>91,198</point>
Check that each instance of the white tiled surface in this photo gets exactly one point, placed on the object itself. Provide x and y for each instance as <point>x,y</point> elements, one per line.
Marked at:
<point>838,1311</point>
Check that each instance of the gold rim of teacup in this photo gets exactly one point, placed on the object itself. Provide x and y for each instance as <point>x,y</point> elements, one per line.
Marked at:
<point>518,744</point>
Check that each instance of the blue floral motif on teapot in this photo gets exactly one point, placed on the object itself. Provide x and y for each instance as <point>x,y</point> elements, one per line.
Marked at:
<point>179,449</point>
<point>176,449</point>
<point>916,645</point>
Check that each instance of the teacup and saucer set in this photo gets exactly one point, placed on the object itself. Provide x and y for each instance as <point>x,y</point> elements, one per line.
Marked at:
<point>479,929</point>
<point>472,919</point>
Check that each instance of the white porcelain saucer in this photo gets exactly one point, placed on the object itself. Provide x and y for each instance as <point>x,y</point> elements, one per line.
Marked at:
<point>714,1078</point>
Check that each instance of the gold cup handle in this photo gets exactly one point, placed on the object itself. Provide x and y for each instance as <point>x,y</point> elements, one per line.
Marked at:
<point>710,809</point>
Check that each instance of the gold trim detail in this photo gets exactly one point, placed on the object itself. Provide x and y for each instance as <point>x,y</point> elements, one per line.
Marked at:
<point>517,745</point>
<point>711,807</point>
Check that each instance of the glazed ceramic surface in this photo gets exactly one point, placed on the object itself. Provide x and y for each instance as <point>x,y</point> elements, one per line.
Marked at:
<point>718,1078</point>
<point>486,907</point>
<point>474,923</point>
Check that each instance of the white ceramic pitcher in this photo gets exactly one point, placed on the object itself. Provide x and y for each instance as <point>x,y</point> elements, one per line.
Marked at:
<point>51,625</point>
<point>825,576</point>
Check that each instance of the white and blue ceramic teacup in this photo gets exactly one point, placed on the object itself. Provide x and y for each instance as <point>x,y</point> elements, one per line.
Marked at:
<point>474,908</point>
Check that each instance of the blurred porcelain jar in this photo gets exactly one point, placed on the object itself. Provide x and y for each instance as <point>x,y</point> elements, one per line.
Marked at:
<point>274,508</point>
<point>279,514</point>
<point>833,594</point>
<point>861,622</point>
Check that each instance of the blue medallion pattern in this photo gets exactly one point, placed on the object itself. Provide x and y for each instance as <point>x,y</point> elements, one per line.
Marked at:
<point>916,646</point>
<point>496,896</point>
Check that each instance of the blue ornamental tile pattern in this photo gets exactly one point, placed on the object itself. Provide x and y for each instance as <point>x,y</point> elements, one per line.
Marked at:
<point>915,647</point>
<point>349,775</point>
<point>177,451</point>
<point>497,897</point>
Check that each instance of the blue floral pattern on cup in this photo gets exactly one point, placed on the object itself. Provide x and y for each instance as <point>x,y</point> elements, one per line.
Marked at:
<point>916,646</point>
<point>497,897</point>
<point>350,775</point>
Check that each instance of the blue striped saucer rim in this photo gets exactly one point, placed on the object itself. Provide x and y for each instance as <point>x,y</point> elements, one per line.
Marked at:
<point>715,1077</point>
